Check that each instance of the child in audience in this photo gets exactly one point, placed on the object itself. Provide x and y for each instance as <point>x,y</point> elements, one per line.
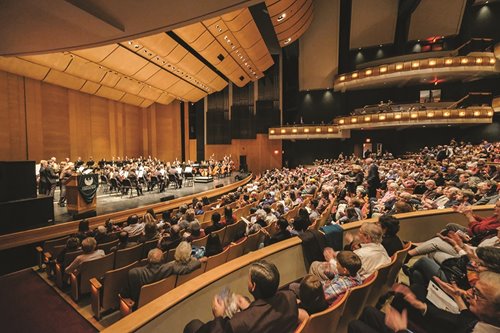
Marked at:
<point>348,266</point>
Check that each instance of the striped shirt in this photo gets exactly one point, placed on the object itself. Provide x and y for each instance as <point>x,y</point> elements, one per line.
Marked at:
<point>339,285</point>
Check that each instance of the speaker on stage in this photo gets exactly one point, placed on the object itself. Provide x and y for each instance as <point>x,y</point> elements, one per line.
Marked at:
<point>84,215</point>
<point>219,185</point>
<point>241,175</point>
<point>167,198</point>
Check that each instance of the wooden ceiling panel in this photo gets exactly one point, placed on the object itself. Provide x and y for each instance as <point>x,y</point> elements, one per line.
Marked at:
<point>161,44</point>
<point>58,61</point>
<point>238,22</point>
<point>194,95</point>
<point>207,75</point>
<point>265,62</point>
<point>191,32</point>
<point>96,54</point>
<point>203,41</point>
<point>149,92</point>
<point>146,72</point>
<point>229,65</point>
<point>109,93</point>
<point>129,86</point>
<point>64,80</point>
<point>124,61</point>
<point>132,99</point>
<point>293,17</point>
<point>234,14</point>
<point>110,79</point>
<point>90,87</point>
<point>162,80</point>
<point>211,21</point>
<point>22,67</point>
<point>306,19</point>
<point>86,70</point>
<point>191,64</point>
<point>218,83</point>
<point>146,103</point>
<point>180,88</point>
<point>228,41</point>
<point>177,54</point>
<point>165,99</point>
<point>279,7</point>
<point>298,32</point>
<point>212,51</point>
<point>217,28</point>
<point>248,36</point>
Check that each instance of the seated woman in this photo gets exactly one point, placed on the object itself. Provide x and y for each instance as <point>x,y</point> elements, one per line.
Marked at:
<point>216,225</point>
<point>184,263</point>
<point>89,253</point>
<point>229,217</point>
<point>390,240</point>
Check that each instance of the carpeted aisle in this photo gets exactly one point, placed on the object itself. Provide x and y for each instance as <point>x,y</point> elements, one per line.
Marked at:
<point>28,304</point>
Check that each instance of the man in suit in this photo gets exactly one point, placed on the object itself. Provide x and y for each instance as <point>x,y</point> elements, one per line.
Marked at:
<point>373,178</point>
<point>137,277</point>
<point>271,311</point>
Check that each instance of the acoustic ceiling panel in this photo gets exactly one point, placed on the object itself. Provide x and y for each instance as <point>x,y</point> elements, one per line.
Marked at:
<point>232,43</point>
<point>436,18</point>
<point>373,22</point>
<point>290,18</point>
<point>90,87</point>
<point>23,67</point>
<point>64,80</point>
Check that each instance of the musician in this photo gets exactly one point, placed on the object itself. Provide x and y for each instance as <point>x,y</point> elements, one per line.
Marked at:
<point>79,162</point>
<point>42,179</point>
<point>51,178</point>
<point>134,180</point>
<point>174,172</point>
<point>66,172</point>
<point>90,162</point>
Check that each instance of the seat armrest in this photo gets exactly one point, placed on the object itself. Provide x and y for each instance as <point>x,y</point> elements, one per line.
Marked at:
<point>126,305</point>
<point>75,286</point>
<point>95,297</point>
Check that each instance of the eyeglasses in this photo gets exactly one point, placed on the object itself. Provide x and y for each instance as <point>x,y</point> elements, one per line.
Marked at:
<point>476,294</point>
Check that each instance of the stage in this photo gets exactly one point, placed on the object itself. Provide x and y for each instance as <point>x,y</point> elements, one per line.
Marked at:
<point>113,202</point>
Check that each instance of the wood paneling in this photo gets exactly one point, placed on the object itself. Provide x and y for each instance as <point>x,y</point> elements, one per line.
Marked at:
<point>260,152</point>
<point>168,131</point>
<point>12,118</point>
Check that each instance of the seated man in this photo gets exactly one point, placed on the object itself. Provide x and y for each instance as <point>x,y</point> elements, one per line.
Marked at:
<point>137,277</point>
<point>89,253</point>
<point>482,314</point>
<point>134,228</point>
<point>368,247</point>
<point>271,311</point>
<point>348,266</point>
<point>123,242</point>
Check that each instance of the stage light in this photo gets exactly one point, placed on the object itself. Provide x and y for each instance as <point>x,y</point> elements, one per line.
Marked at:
<point>341,121</point>
<point>464,61</point>
<point>397,116</point>
<point>368,72</point>
<point>383,69</point>
<point>399,67</point>
<point>318,130</point>
<point>479,61</point>
<point>354,75</point>
<point>477,113</point>
<point>415,64</point>
<point>354,120</point>
<point>414,115</point>
<point>271,131</point>
<point>306,130</point>
<point>330,130</point>
<point>283,131</point>
<point>430,114</point>
<point>342,78</point>
<point>381,117</point>
<point>432,62</point>
<point>368,118</point>
<point>461,113</point>
<point>448,61</point>
<point>294,130</point>
<point>446,114</point>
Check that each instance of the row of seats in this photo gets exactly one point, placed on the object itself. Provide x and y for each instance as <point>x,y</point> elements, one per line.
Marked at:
<point>350,305</point>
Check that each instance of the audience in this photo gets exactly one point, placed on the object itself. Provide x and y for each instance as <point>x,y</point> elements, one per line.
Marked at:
<point>89,253</point>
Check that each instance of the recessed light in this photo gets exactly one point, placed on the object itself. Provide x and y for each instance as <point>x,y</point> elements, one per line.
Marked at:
<point>281,17</point>
<point>288,40</point>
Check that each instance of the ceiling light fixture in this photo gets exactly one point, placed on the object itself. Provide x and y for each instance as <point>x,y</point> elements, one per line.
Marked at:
<point>281,17</point>
<point>288,40</point>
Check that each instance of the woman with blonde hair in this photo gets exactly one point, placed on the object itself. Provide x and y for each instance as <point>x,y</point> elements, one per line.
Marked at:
<point>184,262</point>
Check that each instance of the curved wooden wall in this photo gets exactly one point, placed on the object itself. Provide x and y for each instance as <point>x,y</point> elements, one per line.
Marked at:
<point>172,311</point>
<point>37,235</point>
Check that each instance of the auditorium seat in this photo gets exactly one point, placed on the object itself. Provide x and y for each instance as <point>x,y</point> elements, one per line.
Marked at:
<point>253,242</point>
<point>148,246</point>
<point>61,277</point>
<point>104,292</point>
<point>393,273</point>
<point>236,250</point>
<point>168,256</point>
<point>148,293</point>
<point>232,231</point>
<point>325,321</point>
<point>106,247</point>
<point>216,260</point>
<point>200,241</point>
<point>355,302</point>
<point>186,277</point>
<point>48,250</point>
<point>380,281</point>
<point>124,257</point>
<point>221,232</point>
<point>80,284</point>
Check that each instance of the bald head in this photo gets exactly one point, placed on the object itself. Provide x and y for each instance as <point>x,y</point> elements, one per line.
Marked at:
<point>155,256</point>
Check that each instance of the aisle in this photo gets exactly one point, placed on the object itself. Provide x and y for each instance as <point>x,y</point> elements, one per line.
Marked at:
<point>28,304</point>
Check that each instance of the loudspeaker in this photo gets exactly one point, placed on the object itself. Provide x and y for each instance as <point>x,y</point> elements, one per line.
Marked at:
<point>26,214</point>
<point>219,185</point>
<point>241,175</point>
<point>167,198</point>
<point>18,180</point>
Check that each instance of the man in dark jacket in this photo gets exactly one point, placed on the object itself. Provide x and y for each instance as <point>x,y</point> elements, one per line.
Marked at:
<point>137,277</point>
